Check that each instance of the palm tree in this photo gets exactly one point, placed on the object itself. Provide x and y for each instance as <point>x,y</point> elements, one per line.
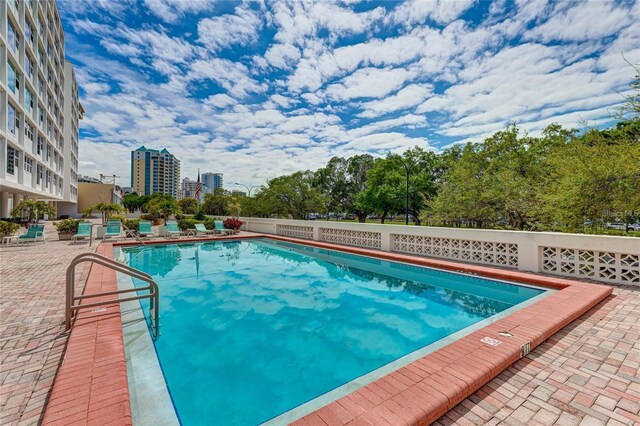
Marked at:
<point>33,210</point>
<point>106,210</point>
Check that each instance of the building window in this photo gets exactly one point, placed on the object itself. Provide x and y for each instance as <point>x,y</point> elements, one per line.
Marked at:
<point>47,179</point>
<point>28,100</point>
<point>27,31</point>
<point>28,130</point>
<point>28,164</point>
<point>39,170</point>
<point>28,65</point>
<point>11,119</point>
<point>13,159</point>
<point>11,77</point>
<point>40,145</point>
<point>49,149</point>
<point>13,38</point>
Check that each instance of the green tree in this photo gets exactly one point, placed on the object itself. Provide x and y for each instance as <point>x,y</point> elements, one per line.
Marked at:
<point>33,210</point>
<point>596,176</point>
<point>341,180</point>
<point>215,203</point>
<point>162,207</point>
<point>380,193</point>
<point>188,205</point>
<point>105,209</point>
<point>291,195</point>
<point>424,168</point>
<point>133,202</point>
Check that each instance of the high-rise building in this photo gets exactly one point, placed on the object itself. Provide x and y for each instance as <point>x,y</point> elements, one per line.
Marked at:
<point>40,108</point>
<point>154,171</point>
<point>188,188</point>
<point>212,181</point>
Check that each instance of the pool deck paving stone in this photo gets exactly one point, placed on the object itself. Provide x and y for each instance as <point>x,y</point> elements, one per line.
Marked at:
<point>585,372</point>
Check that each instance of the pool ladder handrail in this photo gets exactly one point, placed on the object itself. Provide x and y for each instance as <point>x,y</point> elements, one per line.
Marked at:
<point>71,298</point>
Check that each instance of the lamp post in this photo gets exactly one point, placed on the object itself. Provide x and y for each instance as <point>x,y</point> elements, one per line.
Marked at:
<point>249,189</point>
<point>407,169</point>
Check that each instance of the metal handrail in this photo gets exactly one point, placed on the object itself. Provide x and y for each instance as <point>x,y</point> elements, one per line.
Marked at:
<point>131,233</point>
<point>153,295</point>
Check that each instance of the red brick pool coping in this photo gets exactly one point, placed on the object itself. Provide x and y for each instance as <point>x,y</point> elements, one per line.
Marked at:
<point>91,385</point>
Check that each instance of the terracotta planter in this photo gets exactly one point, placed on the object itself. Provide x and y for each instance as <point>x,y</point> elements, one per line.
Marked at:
<point>65,236</point>
<point>158,222</point>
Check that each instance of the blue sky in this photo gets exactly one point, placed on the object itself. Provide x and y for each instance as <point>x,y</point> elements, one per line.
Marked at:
<point>259,89</point>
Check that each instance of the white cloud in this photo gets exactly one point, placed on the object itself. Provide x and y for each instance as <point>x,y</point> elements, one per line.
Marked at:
<point>409,96</point>
<point>240,28</point>
<point>584,21</point>
<point>282,55</point>
<point>418,11</point>
<point>172,10</point>
<point>369,83</point>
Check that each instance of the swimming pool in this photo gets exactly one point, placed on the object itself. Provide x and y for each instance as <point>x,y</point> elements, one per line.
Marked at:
<point>254,328</point>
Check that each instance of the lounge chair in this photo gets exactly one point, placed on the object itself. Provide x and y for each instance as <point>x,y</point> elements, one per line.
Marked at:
<point>84,231</point>
<point>144,229</point>
<point>220,229</point>
<point>172,228</point>
<point>34,233</point>
<point>200,229</point>
<point>114,230</point>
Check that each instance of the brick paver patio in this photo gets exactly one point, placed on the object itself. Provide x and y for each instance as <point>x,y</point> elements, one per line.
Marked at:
<point>32,337</point>
<point>585,374</point>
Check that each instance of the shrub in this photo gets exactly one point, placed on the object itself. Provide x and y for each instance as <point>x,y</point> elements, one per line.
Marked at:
<point>146,216</point>
<point>199,215</point>
<point>232,223</point>
<point>131,224</point>
<point>8,228</point>
<point>185,224</point>
<point>67,226</point>
<point>209,223</point>
<point>117,217</point>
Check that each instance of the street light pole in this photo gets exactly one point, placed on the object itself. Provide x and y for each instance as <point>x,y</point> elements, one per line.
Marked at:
<point>248,189</point>
<point>407,169</point>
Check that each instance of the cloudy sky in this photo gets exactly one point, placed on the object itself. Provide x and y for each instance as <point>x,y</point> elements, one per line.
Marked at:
<point>259,89</point>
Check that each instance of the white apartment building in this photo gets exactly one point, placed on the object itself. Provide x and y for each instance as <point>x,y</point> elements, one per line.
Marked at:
<point>39,108</point>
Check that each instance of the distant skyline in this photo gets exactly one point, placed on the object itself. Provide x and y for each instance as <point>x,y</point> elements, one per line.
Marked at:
<point>258,89</point>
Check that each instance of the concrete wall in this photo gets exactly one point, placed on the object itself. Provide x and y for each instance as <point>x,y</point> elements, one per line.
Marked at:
<point>90,194</point>
<point>596,257</point>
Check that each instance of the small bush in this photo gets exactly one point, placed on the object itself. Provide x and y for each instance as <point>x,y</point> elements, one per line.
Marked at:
<point>131,224</point>
<point>199,215</point>
<point>146,216</point>
<point>232,223</point>
<point>209,223</point>
<point>8,228</point>
<point>67,226</point>
<point>117,217</point>
<point>185,224</point>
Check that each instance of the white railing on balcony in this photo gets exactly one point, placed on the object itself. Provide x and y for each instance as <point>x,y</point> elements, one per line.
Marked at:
<point>595,257</point>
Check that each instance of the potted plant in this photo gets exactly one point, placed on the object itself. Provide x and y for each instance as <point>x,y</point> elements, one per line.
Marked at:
<point>161,207</point>
<point>8,228</point>
<point>66,228</point>
<point>233,224</point>
<point>33,210</point>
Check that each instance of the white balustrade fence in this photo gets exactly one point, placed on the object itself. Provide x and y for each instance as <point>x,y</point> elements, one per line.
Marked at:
<point>595,257</point>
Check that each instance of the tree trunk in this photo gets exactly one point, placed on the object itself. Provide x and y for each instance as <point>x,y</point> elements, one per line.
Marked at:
<point>362,217</point>
<point>383,217</point>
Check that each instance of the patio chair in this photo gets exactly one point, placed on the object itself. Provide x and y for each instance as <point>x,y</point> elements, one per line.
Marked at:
<point>114,230</point>
<point>200,229</point>
<point>144,228</point>
<point>34,233</point>
<point>220,229</point>
<point>172,228</point>
<point>84,231</point>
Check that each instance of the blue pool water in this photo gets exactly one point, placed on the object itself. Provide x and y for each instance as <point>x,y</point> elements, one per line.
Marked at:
<point>253,328</point>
